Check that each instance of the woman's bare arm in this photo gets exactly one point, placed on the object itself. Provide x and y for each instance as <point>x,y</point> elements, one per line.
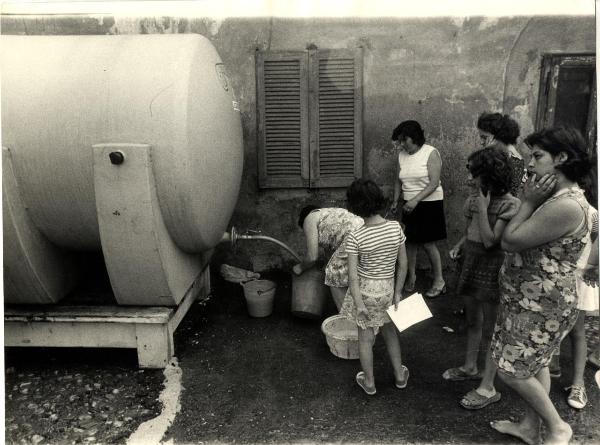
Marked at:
<point>527,230</point>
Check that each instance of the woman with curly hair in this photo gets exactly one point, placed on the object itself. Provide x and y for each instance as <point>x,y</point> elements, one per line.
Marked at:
<point>376,254</point>
<point>487,214</point>
<point>503,131</point>
<point>538,301</point>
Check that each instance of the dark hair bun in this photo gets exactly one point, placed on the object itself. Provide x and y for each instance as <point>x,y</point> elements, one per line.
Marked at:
<point>503,127</point>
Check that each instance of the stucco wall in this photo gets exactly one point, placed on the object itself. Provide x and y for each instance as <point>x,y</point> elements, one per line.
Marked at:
<point>442,72</point>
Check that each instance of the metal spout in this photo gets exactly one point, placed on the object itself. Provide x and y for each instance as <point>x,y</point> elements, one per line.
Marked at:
<point>233,236</point>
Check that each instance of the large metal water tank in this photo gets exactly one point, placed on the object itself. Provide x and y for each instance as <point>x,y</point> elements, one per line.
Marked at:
<point>70,102</point>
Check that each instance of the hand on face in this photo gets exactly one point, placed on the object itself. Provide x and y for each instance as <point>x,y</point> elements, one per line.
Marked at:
<point>483,200</point>
<point>536,191</point>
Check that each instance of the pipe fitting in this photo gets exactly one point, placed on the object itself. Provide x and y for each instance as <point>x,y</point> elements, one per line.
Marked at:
<point>230,236</point>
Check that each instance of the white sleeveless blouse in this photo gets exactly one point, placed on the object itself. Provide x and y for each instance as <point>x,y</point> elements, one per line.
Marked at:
<point>414,175</point>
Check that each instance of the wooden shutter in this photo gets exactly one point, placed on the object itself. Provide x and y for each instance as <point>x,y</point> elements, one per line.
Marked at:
<point>336,117</point>
<point>282,117</point>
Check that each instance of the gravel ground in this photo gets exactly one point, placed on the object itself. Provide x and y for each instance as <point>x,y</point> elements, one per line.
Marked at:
<point>66,396</point>
<point>269,380</point>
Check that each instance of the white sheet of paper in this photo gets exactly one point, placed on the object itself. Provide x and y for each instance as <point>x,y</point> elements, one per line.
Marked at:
<point>411,310</point>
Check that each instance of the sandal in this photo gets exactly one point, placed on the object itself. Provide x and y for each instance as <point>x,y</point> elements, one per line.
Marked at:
<point>435,292</point>
<point>457,375</point>
<point>474,400</point>
<point>360,380</point>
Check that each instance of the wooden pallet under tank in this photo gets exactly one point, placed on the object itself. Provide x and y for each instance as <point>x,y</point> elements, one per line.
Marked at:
<point>148,329</point>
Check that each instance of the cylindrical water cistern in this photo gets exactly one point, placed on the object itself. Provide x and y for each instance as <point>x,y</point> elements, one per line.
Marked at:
<point>128,144</point>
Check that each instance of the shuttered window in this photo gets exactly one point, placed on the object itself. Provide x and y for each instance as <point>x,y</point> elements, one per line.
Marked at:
<point>309,114</point>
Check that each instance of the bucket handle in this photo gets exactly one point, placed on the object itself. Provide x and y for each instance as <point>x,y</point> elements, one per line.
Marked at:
<point>242,283</point>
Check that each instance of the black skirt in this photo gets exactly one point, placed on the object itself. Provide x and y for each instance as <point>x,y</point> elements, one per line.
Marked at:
<point>426,223</point>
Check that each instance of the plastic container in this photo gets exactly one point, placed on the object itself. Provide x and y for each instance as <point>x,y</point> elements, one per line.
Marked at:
<point>259,297</point>
<point>309,294</point>
<point>342,336</point>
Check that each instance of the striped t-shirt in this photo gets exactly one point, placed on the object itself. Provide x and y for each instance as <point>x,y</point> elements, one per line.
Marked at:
<point>377,249</point>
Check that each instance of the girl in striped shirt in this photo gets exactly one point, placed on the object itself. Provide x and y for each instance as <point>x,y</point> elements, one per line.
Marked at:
<point>373,252</point>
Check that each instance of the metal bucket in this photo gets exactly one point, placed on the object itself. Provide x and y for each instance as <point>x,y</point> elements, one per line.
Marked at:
<point>309,294</point>
<point>259,297</point>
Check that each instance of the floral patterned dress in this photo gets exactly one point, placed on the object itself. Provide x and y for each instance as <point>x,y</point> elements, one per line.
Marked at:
<point>538,300</point>
<point>333,226</point>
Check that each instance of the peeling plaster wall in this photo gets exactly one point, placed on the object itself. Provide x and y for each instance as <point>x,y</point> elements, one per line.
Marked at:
<point>539,36</point>
<point>442,72</point>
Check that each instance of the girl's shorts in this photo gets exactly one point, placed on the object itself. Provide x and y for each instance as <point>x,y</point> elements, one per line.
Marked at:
<point>479,272</point>
<point>377,295</point>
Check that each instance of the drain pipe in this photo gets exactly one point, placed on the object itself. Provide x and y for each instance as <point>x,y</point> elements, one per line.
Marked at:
<point>233,236</point>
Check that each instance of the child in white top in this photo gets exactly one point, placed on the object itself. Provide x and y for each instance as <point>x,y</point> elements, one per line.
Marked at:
<point>373,252</point>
